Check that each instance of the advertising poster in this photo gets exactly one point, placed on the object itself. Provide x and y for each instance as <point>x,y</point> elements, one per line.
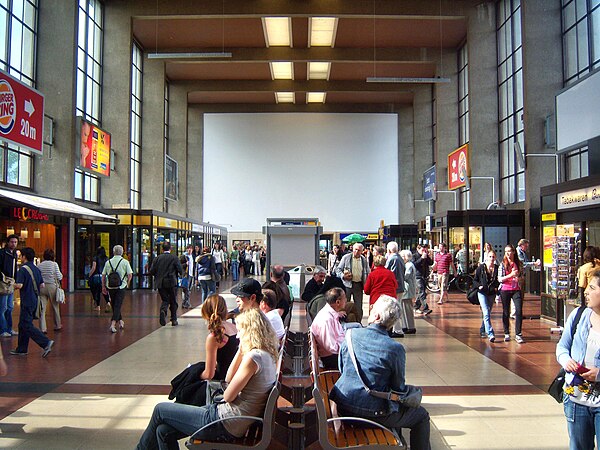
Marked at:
<point>94,149</point>
<point>429,184</point>
<point>458,167</point>
<point>171,179</point>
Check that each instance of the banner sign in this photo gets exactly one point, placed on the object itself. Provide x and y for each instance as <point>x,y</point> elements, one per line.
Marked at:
<point>580,197</point>
<point>94,149</point>
<point>21,114</point>
<point>429,192</point>
<point>458,167</point>
<point>171,179</point>
<point>24,213</point>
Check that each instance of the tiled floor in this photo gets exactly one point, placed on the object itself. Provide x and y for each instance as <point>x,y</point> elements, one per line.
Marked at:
<point>96,390</point>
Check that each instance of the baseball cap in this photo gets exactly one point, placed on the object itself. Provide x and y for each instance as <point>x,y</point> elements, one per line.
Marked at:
<point>246,288</point>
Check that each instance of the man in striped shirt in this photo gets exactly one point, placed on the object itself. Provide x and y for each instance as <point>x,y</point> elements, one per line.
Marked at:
<point>443,262</point>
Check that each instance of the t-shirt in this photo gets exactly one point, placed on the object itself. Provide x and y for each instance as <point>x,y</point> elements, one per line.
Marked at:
<point>252,399</point>
<point>592,348</point>
<point>443,261</point>
<point>123,270</point>
<point>28,296</point>
<point>276,322</point>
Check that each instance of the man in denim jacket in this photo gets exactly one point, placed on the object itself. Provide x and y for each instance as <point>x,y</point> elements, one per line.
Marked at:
<point>382,362</point>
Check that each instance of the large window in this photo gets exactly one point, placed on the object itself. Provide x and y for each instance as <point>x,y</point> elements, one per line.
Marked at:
<point>463,95</point>
<point>135,141</point>
<point>89,84</point>
<point>510,99</point>
<point>576,164</point>
<point>581,38</point>
<point>18,43</point>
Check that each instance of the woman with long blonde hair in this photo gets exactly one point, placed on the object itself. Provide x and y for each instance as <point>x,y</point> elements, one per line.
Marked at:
<point>250,378</point>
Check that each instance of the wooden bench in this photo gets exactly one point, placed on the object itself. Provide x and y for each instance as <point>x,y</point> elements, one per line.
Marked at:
<point>259,434</point>
<point>344,432</point>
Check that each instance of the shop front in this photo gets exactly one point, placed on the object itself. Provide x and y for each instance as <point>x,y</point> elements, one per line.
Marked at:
<point>570,223</point>
<point>141,233</point>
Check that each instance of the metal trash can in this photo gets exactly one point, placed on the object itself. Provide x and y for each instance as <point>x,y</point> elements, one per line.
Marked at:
<point>298,278</point>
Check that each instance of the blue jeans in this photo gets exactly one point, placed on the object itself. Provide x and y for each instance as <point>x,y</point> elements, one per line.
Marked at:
<point>173,421</point>
<point>235,269</point>
<point>208,288</point>
<point>583,424</point>
<point>421,302</point>
<point>7,303</point>
<point>486,302</point>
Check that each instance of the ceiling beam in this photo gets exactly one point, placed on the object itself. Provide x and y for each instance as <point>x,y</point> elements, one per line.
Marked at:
<point>291,107</point>
<point>290,86</point>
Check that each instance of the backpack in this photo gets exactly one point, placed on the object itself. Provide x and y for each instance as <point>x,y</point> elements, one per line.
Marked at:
<point>114,279</point>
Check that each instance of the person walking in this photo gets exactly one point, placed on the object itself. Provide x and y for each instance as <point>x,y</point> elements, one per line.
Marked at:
<point>8,267</point>
<point>51,275</point>
<point>406,302</point>
<point>96,279</point>
<point>442,265</point>
<point>29,280</point>
<point>486,280</point>
<point>422,262</point>
<point>166,268</point>
<point>116,276</point>
<point>207,272</point>
<point>235,263</point>
<point>510,273</point>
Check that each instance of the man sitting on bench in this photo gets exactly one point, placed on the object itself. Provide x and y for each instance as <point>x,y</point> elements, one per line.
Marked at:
<point>381,361</point>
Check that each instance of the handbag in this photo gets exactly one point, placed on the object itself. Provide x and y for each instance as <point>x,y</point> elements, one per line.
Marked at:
<point>7,284</point>
<point>472,295</point>
<point>411,398</point>
<point>60,293</point>
<point>556,387</point>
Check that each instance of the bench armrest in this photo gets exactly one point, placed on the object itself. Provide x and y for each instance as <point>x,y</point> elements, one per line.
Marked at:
<point>366,422</point>
<point>225,419</point>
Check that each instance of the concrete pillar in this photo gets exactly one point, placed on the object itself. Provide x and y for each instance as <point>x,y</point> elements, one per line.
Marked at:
<point>116,101</point>
<point>422,144</point>
<point>153,159</point>
<point>178,144</point>
<point>195,158</point>
<point>483,103</point>
<point>55,79</point>
<point>406,174</point>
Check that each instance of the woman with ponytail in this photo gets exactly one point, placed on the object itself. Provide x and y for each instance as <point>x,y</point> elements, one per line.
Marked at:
<point>222,342</point>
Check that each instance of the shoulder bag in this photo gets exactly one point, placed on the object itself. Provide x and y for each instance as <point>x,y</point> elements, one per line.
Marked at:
<point>556,388</point>
<point>60,294</point>
<point>411,398</point>
<point>38,309</point>
<point>7,284</point>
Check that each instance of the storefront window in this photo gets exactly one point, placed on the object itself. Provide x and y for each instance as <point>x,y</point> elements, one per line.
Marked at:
<point>456,246</point>
<point>145,262</point>
<point>475,246</point>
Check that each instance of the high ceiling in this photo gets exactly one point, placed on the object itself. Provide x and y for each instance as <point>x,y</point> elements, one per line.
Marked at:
<point>391,39</point>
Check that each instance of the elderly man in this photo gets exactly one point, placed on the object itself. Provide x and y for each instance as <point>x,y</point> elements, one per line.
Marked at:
<point>381,362</point>
<point>315,283</point>
<point>353,270</point>
<point>328,329</point>
<point>396,265</point>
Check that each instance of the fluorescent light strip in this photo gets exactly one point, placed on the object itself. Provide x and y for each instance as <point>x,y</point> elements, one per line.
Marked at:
<point>278,31</point>
<point>319,70</point>
<point>189,55</point>
<point>285,97</point>
<point>322,31</point>
<point>406,80</point>
<point>315,97</point>
<point>282,70</point>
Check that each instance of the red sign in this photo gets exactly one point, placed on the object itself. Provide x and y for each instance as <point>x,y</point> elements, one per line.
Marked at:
<point>458,167</point>
<point>24,213</point>
<point>21,114</point>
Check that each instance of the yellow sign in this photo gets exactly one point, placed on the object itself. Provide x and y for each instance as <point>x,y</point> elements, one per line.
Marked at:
<point>372,236</point>
<point>105,241</point>
<point>94,149</point>
<point>549,217</point>
<point>565,230</point>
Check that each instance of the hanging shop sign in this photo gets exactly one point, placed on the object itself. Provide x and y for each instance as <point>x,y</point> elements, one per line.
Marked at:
<point>94,149</point>
<point>21,114</point>
<point>24,213</point>
<point>458,167</point>
<point>580,197</point>
<point>429,184</point>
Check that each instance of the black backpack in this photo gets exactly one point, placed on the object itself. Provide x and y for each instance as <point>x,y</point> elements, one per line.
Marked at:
<point>114,279</point>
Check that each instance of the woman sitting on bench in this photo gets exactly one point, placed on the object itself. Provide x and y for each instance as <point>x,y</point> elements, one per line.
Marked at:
<point>250,378</point>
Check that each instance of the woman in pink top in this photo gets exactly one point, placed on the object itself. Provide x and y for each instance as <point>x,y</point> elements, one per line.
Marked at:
<point>509,276</point>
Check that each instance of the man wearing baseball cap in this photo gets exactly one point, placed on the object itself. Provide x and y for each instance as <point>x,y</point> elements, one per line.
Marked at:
<point>248,294</point>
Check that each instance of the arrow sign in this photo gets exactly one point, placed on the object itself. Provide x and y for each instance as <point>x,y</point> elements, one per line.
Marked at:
<point>21,114</point>
<point>29,109</point>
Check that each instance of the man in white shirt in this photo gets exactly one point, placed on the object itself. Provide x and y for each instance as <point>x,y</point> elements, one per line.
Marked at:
<point>268,305</point>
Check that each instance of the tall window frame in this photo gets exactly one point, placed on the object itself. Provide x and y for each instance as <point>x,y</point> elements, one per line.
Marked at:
<point>463,95</point>
<point>135,140</point>
<point>18,47</point>
<point>510,100</point>
<point>88,96</point>
<point>580,20</point>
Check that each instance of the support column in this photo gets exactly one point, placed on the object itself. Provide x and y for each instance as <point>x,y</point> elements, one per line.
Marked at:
<point>195,157</point>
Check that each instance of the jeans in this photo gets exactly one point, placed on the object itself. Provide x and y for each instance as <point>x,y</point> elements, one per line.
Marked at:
<point>4,303</point>
<point>506,296</point>
<point>96,289</point>
<point>486,302</point>
<point>583,424</point>
<point>27,330</point>
<point>208,288</point>
<point>415,419</point>
<point>235,269</point>
<point>421,302</point>
<point>173,421</point>
<point>116,298</point>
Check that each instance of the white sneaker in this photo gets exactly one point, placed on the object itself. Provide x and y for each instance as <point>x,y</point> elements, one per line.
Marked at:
<point>113,329</point>
<point>506,337</point>
<point>519,339</point>
<point>121,324</point>
<point>5,334</point>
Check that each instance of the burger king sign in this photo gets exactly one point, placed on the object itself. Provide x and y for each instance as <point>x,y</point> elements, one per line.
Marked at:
<point>21,114</point>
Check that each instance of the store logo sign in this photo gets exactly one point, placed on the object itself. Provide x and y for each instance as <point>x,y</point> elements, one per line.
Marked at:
<point>24,213</point>
<point>581,197</point>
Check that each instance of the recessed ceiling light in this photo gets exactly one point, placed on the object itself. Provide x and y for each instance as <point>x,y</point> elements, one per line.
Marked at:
<point>277,31</point>
<point>284,97</point>
<point>318,70</point>
<point>282,70</point>
<point>322,31</point>
<point>407,80</point>
<point>315,97</point>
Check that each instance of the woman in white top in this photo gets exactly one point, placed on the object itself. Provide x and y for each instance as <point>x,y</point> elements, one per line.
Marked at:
<point>256,261</point>
<point>250,378</point>
<point>51,275</point>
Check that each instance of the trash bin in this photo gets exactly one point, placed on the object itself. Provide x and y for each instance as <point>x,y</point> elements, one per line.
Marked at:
<point>298,278</point>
